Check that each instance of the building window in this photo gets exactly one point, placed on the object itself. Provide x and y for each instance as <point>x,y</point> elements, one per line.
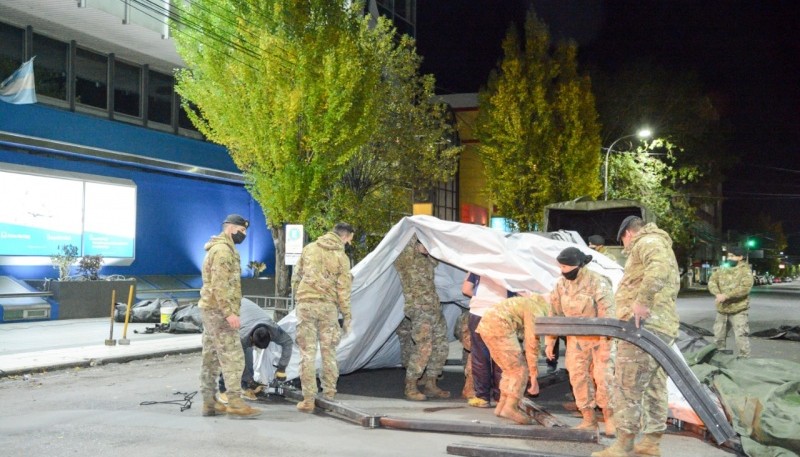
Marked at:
<point>11,43</point>
<point>127,89</point>
<point>50,67</point>
<point>183,119</point>
<point>159,96</point>
<point>91,78</point>
<point>446,200</point>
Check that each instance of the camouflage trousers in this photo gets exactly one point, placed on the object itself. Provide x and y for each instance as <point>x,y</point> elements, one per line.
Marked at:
<point>222,351</point>
<point>423,341</point>
<point>739,323</point>
<point>587,362</point>
<point>507,353</point>
<point>465,336</point>
<point>640,399</point>
<point>318,323</point>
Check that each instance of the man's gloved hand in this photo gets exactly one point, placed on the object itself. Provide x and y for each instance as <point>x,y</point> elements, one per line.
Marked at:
<point>280,375</point>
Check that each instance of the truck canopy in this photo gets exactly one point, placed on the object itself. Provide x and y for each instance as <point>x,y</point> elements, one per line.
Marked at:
<point>592,217</point>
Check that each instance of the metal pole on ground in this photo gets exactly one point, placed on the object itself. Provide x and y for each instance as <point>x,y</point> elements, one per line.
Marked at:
<point>124,340</point>
<point>111,341</point>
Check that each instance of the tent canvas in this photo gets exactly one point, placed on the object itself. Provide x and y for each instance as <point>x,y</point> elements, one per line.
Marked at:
<point>520,261</point>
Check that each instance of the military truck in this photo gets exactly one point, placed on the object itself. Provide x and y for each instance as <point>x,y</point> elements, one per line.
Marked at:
<point>591,217</point>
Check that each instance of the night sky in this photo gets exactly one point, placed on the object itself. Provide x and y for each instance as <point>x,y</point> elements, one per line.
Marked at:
<point>746,53</point>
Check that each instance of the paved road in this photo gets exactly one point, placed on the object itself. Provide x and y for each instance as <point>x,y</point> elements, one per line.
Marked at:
<point>97,411</point>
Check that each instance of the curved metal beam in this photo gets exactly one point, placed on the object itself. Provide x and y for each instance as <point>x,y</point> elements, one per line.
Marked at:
<point>672,362</point>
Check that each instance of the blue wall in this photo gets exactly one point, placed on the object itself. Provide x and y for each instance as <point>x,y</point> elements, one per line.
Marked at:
<point>176,214</point>
<point>60,125</point>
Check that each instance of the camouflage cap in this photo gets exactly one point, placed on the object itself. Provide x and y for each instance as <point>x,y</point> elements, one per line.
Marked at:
<point>236,219</point>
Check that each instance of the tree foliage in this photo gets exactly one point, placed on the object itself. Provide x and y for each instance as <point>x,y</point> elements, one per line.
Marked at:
<point>682,168</point>
<point>652,178</point>
<point>537,125</point>
<point>300,94</point>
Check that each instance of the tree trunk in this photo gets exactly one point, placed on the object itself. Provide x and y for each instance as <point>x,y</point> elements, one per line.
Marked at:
<point>282,283</point>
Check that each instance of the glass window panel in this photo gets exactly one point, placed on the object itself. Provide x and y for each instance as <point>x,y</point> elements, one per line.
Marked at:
<point>159,96</point>
<point>50,67</point>
<point>183,119</point>
<point>11,43</point>
<point>91,78</point>
<point>127,89</point>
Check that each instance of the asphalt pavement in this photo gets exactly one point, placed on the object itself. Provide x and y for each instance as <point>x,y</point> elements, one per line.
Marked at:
<point>40,349</point>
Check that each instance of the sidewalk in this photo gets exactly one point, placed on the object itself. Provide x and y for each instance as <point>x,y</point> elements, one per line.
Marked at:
<point>27,347</point>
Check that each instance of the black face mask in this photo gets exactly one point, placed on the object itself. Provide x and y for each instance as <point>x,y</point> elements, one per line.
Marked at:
<point>571,275</point>
<point>733,263</point>
<point>238,237</point>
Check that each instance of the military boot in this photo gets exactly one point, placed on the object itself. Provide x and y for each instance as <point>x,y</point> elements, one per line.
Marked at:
<point>650,445</point>
<point>621,447</point>
<point>608,421</point>
<point>306,406</point>
<point>511,411</point>
<point>213,408</point>
<point>412,391</point>
<point>589,420</point>
<point>432,390</point>
<point>237,407</point>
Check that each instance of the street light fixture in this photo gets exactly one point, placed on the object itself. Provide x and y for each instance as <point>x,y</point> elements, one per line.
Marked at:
<point>642,134</point>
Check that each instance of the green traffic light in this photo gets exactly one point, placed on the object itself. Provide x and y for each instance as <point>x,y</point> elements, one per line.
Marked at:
<point>751,243</point>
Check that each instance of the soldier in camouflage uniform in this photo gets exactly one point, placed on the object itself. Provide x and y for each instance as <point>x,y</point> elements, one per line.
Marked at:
<point>647,293</point>
<point>423,331</point>
<point>321,284</point>
<point>220,299</point>
<point>499,328</point>
<point>731,288</point>
<point>581,292</point>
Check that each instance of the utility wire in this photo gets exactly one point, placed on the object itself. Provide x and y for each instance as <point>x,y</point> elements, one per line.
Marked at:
<point>205,29</point>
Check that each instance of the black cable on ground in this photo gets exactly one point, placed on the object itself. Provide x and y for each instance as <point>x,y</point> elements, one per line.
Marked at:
<point>185,404</point>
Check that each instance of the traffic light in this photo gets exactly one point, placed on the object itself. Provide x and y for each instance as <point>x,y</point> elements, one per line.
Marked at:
<point>751,243</point>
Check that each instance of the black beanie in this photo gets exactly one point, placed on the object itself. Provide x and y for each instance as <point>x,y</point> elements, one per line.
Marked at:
<point>597,240</point>
<point>260,336</point>
<point>573,257</point>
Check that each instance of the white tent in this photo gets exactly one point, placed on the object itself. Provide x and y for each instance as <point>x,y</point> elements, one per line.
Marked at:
<point>521,261</point>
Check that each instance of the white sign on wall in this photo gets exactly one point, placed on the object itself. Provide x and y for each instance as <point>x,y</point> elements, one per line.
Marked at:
<point>294,243</point>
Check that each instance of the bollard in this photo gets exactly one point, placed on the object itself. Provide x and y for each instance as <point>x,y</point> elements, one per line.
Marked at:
<point>111,341</point>
<point>124,340</point>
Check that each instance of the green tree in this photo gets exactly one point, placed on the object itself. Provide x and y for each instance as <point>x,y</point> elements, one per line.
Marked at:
<point>537,126</point>
<point>413,146</point>
<point>296,91</point>
<point>287,87</point>
<point>683,166</point>
<point>652,178</point>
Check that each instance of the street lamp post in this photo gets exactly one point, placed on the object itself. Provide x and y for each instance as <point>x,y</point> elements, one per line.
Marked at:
<point>643,133</point>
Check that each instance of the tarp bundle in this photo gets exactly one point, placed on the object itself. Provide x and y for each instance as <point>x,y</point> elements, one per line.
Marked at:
<point>143,310</point>
<point>761,396</point>
<point>184,319</point>
<point>520,261</point>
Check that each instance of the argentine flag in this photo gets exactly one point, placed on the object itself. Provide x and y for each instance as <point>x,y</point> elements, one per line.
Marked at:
<point>19,88</point>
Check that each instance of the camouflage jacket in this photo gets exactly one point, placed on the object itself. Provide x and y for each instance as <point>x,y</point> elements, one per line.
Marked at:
<point>416,271</point>
<point>589,295</point>
<point>734,282</point>
<point>222,276</point>
<point>516,315</point>
<point>323,274</point>
<point>651,279</point>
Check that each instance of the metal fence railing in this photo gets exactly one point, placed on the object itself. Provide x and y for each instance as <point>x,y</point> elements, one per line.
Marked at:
<point>280,305</point>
